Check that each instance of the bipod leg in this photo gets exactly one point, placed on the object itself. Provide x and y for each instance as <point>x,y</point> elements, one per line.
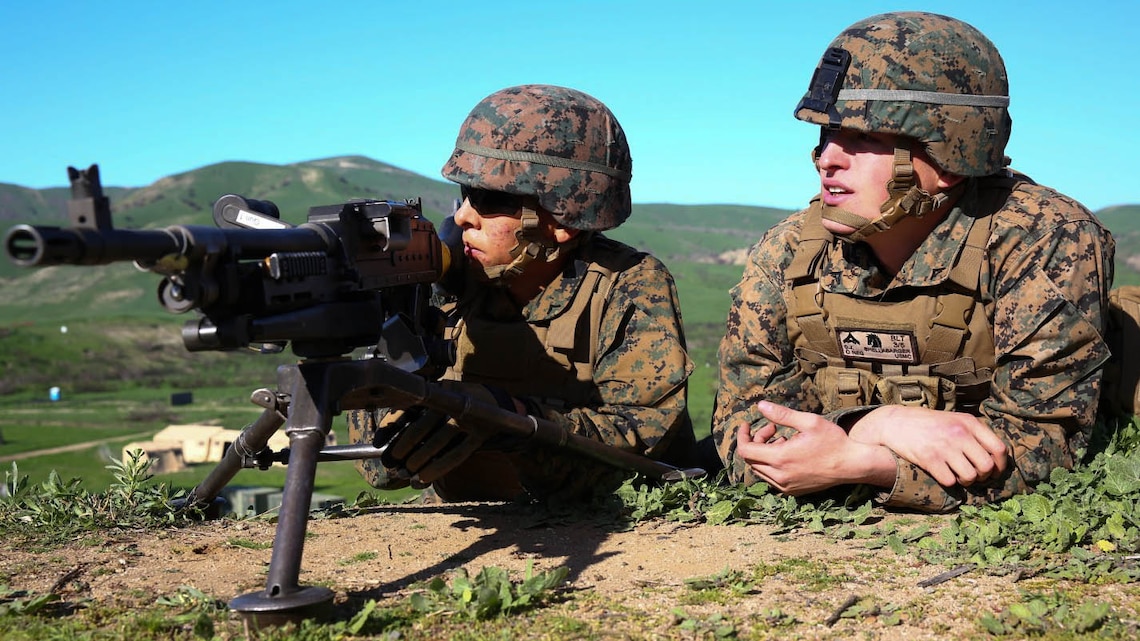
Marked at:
<point>284,600</point>
<point>253,438</point>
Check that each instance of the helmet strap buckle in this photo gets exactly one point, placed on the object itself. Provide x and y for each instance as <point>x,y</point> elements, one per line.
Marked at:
<point>530,245</point>
<point>905,198</point>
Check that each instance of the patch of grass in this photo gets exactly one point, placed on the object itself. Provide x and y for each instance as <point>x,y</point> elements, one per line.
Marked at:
<point>22,603</point>
<point>112,354</point>
<point>1083,524</point>
<point>713,501</point>
<point>192,609</point>
<point>136,414</point>
<point>89,467</point>
<point>188,614</point>
<point>813,576</point>
<point>724,587</point>
<point>359,557</point>
<point>714,626</point>
<point>58,511</point>
<point>249,544</point>
<point>20,436</point>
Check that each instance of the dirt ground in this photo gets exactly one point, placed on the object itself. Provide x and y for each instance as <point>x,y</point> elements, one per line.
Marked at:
<point>636,577</point>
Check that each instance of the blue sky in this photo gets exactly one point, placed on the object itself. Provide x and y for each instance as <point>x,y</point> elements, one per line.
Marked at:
<point>704,90</point>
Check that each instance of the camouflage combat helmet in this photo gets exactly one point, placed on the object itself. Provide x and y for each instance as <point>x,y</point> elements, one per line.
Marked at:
<point>925,76</point>
<point>559,145</point>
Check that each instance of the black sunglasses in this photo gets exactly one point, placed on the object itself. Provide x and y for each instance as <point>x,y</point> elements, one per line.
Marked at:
<point>486,200</point>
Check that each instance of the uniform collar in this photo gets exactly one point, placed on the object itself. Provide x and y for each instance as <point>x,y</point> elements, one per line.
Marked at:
<point>557,296</point>
<point>852,269</point>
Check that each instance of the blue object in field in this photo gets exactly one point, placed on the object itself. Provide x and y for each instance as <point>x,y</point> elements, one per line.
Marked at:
<point>53,394</point>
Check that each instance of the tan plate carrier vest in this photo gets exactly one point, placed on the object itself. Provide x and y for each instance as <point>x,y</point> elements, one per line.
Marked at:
<point>931,348</point>
<point>553,360</point>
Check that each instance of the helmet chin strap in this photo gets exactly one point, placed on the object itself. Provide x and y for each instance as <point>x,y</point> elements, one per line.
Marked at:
<point>530,245</point>
<point>904,198</point>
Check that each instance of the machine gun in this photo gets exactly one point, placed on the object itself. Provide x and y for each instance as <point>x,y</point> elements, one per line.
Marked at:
<point>355,275</point>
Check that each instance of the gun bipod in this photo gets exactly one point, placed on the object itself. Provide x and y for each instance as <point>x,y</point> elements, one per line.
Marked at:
<point>314,391</point>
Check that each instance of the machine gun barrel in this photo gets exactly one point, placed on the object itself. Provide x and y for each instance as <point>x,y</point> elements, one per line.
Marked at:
<point>35,246</point>
<point>40,246</point>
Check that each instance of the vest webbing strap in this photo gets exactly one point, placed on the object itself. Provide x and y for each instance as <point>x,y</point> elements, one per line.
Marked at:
<point>803,274</point>
<point>563,330</point>
<point>814,239</point>
<point>948,330</point>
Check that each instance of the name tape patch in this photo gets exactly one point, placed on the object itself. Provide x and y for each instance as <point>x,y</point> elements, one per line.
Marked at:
<point>879,345</point>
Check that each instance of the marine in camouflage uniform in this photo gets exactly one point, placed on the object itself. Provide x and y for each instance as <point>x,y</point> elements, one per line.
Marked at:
<point>571,326</point>
<point>997,313</point>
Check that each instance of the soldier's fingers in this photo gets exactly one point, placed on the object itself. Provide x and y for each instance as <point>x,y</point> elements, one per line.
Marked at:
<point>995,446</point>
<point>751,446</point>
<point>788,417</point>
<point>439,440</point>
<point>990,444</point>
<point>983,462</point>
<point>770,476</point>
<point>744,433</point>
<point>448,460</point>
<point>971,465</point>
<point>943,473</point>
<point>411,436</point>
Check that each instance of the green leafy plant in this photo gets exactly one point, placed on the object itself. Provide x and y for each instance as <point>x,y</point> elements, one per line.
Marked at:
<point>1082,524</point>
<point>21,603</point>
<point>733,581</point>
<point>716,502</point>
<point>717,625</point>
<point>489,594</point>
<point>195,609</point>
<point>1038,614</point>
<point>249,544</point>
<point>57,510</point>
<point>359,557</point>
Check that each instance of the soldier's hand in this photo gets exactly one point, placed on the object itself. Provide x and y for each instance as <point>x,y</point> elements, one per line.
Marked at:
<point>954,448</point>
<point>814,455</point>
<point>428,443</point>
<point>376,427</point>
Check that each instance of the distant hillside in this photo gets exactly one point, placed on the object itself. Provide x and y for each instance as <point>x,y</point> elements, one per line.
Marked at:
<point>40,206</point>
<point>1124,221</point>
<point>187,198</point>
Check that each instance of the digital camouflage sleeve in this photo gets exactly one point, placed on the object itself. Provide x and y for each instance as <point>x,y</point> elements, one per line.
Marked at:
<point>642,364</point>
<point>1045,287</point>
